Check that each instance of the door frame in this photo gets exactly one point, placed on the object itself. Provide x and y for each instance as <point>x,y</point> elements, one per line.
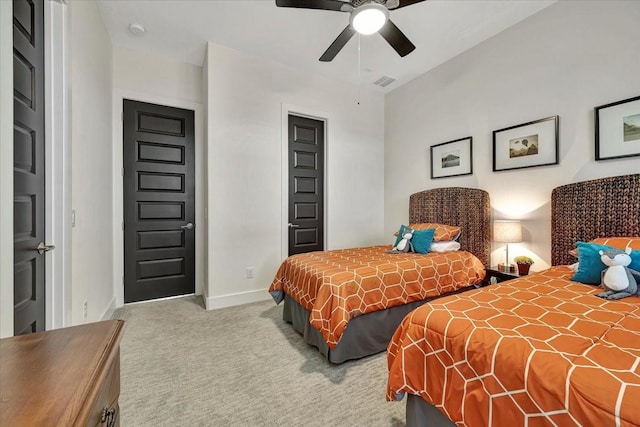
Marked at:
<point>119,95</point>
<point>58,308</point>
<point>309,113</point>
<point>6,169</point>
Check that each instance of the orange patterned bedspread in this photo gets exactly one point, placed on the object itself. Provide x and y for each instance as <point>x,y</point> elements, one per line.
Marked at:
<point>536,351</point>
<point>338,285</point>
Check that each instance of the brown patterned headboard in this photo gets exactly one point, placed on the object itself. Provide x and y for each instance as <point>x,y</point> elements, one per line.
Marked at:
<point>606,207</point>
<point>468,208</point>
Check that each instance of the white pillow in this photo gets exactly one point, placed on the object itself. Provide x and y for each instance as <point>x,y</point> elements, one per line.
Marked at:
<point>448,246</point>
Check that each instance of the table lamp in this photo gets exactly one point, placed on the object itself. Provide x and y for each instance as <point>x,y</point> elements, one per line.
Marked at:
<point>507,231</point>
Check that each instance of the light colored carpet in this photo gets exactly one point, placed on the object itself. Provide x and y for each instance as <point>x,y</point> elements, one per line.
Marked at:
<point>240,366</point>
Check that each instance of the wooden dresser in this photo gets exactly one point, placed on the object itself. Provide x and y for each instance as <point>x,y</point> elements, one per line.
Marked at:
<point>63,377</point>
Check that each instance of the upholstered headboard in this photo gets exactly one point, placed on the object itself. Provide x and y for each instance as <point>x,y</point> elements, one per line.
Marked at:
<point>468,208</point>
<point>606,207</point>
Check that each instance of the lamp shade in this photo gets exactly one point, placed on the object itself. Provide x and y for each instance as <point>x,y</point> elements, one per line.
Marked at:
<point>505,231</point>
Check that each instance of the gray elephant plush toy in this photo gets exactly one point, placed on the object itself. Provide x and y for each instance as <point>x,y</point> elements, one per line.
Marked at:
<point>617,279</point>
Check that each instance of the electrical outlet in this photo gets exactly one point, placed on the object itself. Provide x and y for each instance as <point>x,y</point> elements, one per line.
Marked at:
<point>85,307</point>
<point>249,272</point>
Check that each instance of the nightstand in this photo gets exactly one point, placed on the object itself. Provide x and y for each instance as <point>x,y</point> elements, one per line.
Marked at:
<point>500,276</point>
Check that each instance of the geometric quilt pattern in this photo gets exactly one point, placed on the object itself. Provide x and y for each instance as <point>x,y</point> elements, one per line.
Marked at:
<point>619,242</point>
<point>536,351</point>
<point>338,285</point>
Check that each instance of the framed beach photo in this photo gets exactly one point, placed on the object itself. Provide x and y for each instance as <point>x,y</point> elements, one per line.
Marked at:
<point>618,129</point>
<point>527,145</point>
<point>452,158</point>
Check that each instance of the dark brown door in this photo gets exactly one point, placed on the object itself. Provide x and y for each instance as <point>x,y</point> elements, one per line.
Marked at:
<point>159,207</point>
<point>306,185</point>
<point>28,166</point>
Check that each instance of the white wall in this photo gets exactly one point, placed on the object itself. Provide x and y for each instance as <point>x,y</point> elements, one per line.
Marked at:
<point>91,166</point>
<point>156,75</point>
<point>564,60</point>
<point>151,78</point>
<point>6,169</point>
<point>247,99</point>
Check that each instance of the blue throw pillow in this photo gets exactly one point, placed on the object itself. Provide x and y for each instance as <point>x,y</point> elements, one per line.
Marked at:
<point>422,239</point>
<point>400,233</point>
<point>590,267</point>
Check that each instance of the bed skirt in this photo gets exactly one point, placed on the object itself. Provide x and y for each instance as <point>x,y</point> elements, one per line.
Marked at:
<point>365,335</point>
<point>423,414</point>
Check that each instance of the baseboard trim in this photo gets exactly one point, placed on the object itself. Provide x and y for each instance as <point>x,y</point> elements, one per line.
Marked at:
<point>231,300</point>
<point>109,312</point>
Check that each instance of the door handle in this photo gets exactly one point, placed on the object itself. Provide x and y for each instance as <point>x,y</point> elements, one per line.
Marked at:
<point>189,226</point>
<point>42,248</point>
<point>293,225</point>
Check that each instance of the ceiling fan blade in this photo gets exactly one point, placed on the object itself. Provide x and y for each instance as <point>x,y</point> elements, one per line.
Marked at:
<point>396,38</point>
<point>397,4</point>
<point>317,4</point>
<point>338,44</point>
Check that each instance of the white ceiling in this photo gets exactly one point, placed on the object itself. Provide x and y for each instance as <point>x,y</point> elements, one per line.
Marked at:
<point>440,29</point>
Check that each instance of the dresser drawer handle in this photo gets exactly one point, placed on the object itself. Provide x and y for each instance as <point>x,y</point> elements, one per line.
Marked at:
<point>108,417</point>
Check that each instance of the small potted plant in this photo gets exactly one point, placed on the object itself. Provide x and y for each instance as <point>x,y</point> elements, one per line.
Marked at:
<point>524,263</point>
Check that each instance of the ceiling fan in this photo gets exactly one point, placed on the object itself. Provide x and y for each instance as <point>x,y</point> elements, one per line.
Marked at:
<point>367,17</point>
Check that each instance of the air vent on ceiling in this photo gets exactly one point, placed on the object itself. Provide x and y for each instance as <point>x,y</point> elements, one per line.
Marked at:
<point>384,81</point>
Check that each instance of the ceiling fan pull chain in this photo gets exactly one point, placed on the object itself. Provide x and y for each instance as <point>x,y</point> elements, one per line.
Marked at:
<point>359,72</point>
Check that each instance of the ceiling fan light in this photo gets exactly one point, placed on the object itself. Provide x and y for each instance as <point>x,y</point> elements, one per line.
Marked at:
<point>369,18</point>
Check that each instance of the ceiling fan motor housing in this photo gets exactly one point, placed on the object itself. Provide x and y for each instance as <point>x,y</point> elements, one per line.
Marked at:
<point>388,3</point>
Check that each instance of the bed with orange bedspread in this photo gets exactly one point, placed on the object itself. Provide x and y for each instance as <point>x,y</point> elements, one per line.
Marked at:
<point>336,286</point>
<point>349,302</point>
<point>539,350</point>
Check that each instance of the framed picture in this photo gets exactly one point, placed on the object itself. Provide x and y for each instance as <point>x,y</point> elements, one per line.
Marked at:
<point>618,129</point>
<point>527,145</point>
<point>453,158</point>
